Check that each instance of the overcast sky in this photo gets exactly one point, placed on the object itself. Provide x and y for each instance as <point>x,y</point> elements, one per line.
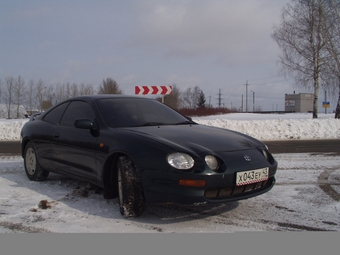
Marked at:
<point>217,45</point>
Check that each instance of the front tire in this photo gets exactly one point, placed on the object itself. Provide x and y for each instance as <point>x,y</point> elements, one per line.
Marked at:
<point>33,169</point>
<point>130,190</point>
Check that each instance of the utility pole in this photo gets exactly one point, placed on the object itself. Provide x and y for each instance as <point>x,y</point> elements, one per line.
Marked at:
<point>325,101</point>
<point>242,104</point>
<point>219,98</point>
<point>253,101</point>
<point>247,95</point>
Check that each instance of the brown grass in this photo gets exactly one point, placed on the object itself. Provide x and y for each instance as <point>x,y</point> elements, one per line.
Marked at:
<point>204,111</point>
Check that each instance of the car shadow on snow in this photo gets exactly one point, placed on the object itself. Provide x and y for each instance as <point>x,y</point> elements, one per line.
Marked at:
<point>170,213</point>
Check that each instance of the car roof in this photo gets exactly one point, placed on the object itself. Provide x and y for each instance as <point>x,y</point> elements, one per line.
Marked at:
<point>106,96</point>
<point>100,96</point>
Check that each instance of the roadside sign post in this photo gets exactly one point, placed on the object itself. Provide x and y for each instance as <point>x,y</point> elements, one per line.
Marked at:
<point>153,90</point>
<point>325,105</point>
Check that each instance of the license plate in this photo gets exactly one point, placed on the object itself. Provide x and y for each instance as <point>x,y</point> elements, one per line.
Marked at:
<point>252,176</point>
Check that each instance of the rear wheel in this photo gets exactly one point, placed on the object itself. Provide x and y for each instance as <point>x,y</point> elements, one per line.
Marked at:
<point>33,169</point>
<point>130,190</point>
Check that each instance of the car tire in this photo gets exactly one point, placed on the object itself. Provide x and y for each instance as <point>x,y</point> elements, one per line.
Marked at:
<point>33,169</point>
<point>130,191</point>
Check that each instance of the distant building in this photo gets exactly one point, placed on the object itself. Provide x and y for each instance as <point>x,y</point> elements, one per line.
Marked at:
<point>302,102</point>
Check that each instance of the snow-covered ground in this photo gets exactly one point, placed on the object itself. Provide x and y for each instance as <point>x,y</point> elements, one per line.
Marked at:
<point>278,126</point>
<point>305,197</point>
<point>261,126</point>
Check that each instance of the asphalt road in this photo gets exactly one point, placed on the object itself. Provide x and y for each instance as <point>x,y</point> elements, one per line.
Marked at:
<point>10,147</point>
<point>304,146</point>
<point>291,146</point>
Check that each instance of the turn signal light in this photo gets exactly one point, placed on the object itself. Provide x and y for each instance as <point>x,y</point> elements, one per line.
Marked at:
<point>192,183</point>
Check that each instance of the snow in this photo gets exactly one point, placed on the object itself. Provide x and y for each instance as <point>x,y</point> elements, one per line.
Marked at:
<point>15,111</point>
<point>278,126</point>
<point>261,126</point>
<point>298,199</point>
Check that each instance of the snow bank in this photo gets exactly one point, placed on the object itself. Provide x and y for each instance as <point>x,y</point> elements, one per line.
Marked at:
<point>264,127</point>
<point>281,129</point>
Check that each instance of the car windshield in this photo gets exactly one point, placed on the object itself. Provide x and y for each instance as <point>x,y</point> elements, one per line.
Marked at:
<point>135,112</point>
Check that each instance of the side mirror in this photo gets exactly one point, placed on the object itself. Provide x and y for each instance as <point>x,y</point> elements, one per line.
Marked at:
<point>84,124</point>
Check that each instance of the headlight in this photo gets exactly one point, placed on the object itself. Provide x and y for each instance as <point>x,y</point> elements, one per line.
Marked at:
<point>211,162</point>
<point>268,156</point>
<point>265,153</point>
<point>180,161</point>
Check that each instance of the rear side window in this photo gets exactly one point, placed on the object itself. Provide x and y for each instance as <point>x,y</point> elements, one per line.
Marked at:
<point>77,110</point>
<point>54,116</point>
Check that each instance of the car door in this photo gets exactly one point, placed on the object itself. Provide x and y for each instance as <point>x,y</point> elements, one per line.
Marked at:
<point>42,135</point>
<point>73,149</point>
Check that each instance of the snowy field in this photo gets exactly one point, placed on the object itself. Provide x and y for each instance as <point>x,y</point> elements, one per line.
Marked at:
<point>278,126</point>
<point>305,197</point>
<point>261,126</point>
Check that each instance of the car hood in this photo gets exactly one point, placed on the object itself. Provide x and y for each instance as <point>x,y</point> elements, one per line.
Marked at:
<point>199,137</point>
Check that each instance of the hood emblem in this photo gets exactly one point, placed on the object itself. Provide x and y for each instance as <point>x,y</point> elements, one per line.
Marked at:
<point>247,158</point>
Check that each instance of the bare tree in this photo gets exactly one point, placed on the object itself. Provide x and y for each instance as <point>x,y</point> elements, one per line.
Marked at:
<point>301,40</point>
<point>201,100</point>
<point>68,89</point>
<point>39,89</point>
<point>19,93</point>
<point>0,90</point>
<point>109,86</point>
<point>49,97</point>
<point>60,93</point>
<point>86,89</point>
<point>30,96</point>
<point>191,97</point>
<point>74,90</point>
<point>174,99</point>
<point>331,32</point>
<point>9,94</point>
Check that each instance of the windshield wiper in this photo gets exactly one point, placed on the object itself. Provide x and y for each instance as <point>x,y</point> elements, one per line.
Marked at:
<point>186,122</point>
<point>151,124</point>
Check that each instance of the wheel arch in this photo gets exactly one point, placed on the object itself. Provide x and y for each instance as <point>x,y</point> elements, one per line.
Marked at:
<point>110,175</point>
<point>23,145</point>
<point>109,178</point>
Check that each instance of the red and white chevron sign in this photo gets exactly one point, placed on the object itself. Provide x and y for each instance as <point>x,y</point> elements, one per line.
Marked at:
<point>153,90</point>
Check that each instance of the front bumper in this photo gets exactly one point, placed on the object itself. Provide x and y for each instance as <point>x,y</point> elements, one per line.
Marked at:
<point>219,189</point>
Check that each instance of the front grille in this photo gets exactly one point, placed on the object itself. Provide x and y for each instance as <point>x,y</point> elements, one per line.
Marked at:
<point>228,191</point>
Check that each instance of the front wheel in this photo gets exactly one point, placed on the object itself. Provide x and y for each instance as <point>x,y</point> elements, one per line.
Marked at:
<point>33,169</point>
<point>130,190</point>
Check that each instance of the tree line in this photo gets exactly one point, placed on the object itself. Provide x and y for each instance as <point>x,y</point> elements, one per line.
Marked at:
<point>38,96</point>
<point>309,38</point>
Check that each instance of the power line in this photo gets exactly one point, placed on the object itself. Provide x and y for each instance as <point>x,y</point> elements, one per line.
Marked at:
<point>268,83</point>
<point>259,79</point>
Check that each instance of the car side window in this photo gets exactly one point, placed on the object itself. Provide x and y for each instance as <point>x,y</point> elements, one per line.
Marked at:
<point>77,110</point>
<point>54,116</point>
